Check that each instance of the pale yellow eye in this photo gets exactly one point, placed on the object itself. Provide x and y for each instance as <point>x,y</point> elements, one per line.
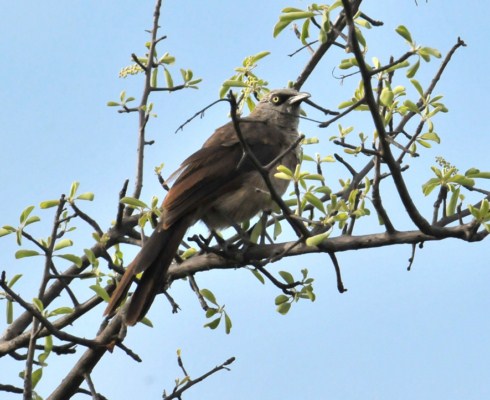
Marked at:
<point>276,99</point>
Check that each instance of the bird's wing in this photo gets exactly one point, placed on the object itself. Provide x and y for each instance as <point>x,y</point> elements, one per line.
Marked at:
<point>213,169</point>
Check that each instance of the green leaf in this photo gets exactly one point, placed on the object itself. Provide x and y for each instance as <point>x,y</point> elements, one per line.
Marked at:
<point>411,106</point>
<point>6,230</point>
<point>101,292</point>
<point>472,173</point>
<point>430,185</point>
<point>213,324</point>
<point>260,55</point>
<point>234,83</point>
<point>314,201</point>
<point>228,324</point>
<point>49,204</point>
<point>404,33</point>
<point>462,180</point>
<point>154,77</point>
<point>426,52</point>
<point>86,196</point>
<point>277,229</point>
<point>413,69</point>
<point>61,244</point>
<point>208,295</point>
<point>317,239</point>
<point>36,377</point>
<point>294,15</point>
<point>386,97</point>
<point>113,104</point>
<point>211,312</point>
<point>26,253</point>
<point>305,31</point>
<point>10,312</point>
<point>73,189</point>
<point>431,136</point>
<point>38,304</point>
<point>258,275</point>
<point>417,86</point>
<point>288,278</point>
<point>281,299</point>
<point>451,207</point>
<point>283,308</point>
<point>146,321</point>
<point>31,220</point>
<point>61,311</point>
<point>25,214</point>
<point>14,279</point>
<point>132,202</point>
<point>188,253</point>
<point>256,232</point>
<point>168,78</point>
<point>71,257</point>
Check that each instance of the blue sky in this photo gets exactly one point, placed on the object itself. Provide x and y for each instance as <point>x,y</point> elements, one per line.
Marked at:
<point>394,335</point>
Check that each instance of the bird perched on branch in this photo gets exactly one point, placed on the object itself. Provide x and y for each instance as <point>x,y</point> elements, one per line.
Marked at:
<point>220,185</point>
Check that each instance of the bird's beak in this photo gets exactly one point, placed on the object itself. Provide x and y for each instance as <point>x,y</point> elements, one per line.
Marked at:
<point>299,98</point>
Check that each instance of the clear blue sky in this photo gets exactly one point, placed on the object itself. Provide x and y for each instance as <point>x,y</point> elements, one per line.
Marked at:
<point>394,335</point>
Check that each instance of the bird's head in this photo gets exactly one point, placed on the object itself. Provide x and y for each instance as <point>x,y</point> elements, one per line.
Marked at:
<point>281,106</point>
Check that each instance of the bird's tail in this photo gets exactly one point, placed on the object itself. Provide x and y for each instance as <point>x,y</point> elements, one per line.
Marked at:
<point>154,259</point>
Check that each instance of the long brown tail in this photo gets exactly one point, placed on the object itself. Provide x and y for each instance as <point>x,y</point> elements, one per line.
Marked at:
<point>154,259</point>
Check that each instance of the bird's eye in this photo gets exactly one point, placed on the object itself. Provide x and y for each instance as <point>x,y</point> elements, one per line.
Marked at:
<point>276,99</point>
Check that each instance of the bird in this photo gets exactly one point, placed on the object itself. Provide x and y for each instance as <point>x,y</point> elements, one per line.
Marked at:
<point>219,185</point>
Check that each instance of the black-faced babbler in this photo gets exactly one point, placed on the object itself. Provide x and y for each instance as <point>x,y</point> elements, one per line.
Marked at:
<point>218,185</point>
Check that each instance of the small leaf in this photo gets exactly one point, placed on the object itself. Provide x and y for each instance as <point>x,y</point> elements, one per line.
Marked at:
<point>6,230</point>
<point>258,275</point>
<point>386,97</point>
<point>154,78</point>
<point>31,220</point>
<point>277,229</point>
<point>73,189</point>
<point>38,304</point>
<point>403,32</point>
<point>413,69</point>
<point>25,253</point>
<point>61,244</point>
<point>60,311</point>
<point>132,202</point>
<point>36,377</point>
<point>211,312</point>
<point>288,278</point>
<point>14,279</point>
<point>146,321</point>
<point>72,258</point>
<point>411,106</point>
<point>208,295</point>
<point>25,214</point>
<point>86,196</point>
<point>101,292</point>
<point>317,239</point>
<point>451,207</point>
<point>283,308</point>
<point>431,136</point>
<point>228,324</point>
<point>281,299</point>
<point>168,78</point>
<point>418,86</point>
<point>113,104</point>
<point>315,201</point>
<point>49,204</point>
<point>213,324</point>
<point>462,180</point>
<point>10,312</point>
